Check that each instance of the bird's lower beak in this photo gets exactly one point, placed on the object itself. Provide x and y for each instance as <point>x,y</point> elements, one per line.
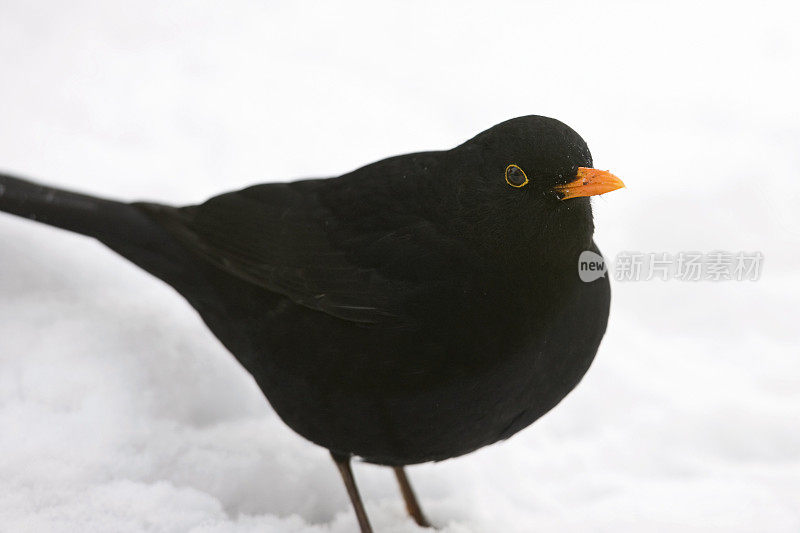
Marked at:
<point>589,182</point>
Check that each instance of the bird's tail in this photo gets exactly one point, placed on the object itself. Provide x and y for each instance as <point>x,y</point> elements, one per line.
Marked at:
<point>88,215</point>
<point>125,228</point>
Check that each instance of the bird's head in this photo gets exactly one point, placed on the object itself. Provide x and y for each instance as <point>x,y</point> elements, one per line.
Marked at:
<point>528,180</point>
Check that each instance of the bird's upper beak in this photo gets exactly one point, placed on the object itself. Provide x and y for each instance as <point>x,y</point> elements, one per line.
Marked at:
<point>589,182</point>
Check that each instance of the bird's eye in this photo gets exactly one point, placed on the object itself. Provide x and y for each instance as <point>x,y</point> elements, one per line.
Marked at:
<point>515,176</point>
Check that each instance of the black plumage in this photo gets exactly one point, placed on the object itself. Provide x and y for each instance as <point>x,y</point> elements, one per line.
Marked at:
<point>412,310</point>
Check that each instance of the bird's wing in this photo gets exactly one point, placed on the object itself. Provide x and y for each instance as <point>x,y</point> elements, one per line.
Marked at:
<point>288,239</point>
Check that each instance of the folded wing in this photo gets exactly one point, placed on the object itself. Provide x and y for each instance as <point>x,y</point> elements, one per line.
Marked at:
<point>294,240</point>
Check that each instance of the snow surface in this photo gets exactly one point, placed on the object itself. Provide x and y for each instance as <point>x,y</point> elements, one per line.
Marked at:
<point>120,412</point>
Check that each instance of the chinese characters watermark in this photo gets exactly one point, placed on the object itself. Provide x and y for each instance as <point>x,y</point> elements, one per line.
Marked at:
<point>682,266</point>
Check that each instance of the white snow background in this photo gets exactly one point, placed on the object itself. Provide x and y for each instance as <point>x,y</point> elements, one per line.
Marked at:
<point>119,412</point>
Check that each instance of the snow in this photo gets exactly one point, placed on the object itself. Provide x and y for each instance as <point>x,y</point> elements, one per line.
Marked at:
<point>120,412</point>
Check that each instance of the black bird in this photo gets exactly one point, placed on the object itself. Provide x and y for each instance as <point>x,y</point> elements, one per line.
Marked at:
<point>413,310</point>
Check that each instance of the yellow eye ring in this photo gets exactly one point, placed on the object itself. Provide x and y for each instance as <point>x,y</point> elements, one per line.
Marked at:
<point>515,176</point>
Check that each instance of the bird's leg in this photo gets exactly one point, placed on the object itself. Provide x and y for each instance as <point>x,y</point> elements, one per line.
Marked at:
<point>412,505</point>
<point>343,464</point>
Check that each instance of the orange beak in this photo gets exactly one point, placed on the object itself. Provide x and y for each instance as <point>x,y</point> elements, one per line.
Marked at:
<point>590,182</point>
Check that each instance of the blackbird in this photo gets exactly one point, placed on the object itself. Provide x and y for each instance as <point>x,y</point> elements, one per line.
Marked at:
<point>413,310</point>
